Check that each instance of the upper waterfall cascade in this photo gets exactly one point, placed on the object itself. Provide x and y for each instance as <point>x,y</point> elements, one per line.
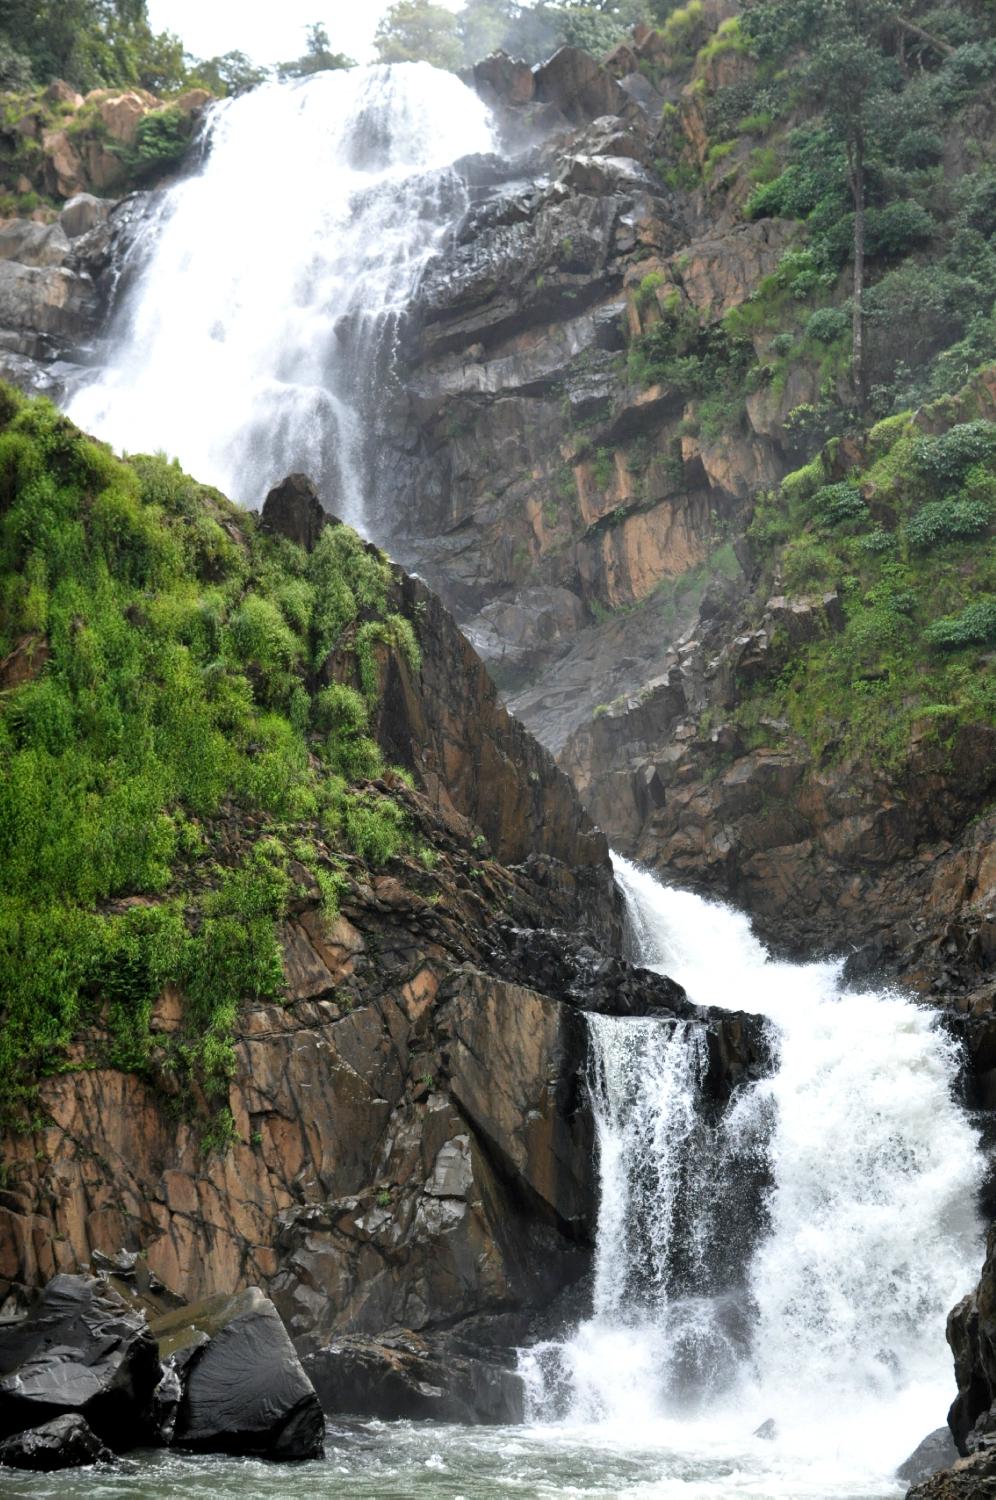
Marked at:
<point>266,288</point>
<point>794,1260</point>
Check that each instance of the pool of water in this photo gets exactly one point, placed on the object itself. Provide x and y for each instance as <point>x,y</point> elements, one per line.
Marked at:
<point>423,1461</point>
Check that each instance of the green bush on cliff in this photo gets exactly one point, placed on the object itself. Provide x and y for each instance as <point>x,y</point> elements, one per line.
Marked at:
<point>916,574</point>
<point>160,658</point>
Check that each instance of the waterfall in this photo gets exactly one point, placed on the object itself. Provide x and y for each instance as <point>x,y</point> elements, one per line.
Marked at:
<point>793,1260</point>
<point>258,327</point>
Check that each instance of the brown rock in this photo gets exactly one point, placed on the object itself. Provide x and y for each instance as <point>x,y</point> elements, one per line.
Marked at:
<point>122,114</point>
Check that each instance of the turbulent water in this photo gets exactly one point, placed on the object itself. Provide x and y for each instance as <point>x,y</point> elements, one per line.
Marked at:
<point>790,1261</point>
<point>257,331</point>
<point>844,1184</point>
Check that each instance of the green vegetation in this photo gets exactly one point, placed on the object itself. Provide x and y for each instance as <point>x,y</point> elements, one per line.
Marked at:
<point>172,654</point>
<point>907,542</point>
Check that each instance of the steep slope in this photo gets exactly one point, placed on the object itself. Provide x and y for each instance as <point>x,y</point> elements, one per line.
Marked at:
<point>275,1011</point>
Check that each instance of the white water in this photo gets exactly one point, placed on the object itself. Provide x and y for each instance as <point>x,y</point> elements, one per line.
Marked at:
<point>252,343</point>
<point>834,1323</point>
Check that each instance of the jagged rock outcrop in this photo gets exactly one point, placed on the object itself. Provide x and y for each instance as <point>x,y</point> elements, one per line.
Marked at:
<point>81,1351</point>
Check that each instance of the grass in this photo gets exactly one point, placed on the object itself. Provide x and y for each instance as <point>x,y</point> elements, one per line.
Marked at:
<point>178,649</point>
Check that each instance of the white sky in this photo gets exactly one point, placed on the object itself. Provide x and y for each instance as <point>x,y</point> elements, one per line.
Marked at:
<point>270,30</point>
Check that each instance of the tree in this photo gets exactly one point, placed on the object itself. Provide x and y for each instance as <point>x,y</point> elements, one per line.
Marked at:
<point>848,73</point>
<point>317,57</point>
<point>92,43</point>
<point>230,73</point>
<point>418,31</point>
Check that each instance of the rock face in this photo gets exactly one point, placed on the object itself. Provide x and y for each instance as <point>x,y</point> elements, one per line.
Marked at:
<point>971,1330</point>
<point>412,1144</point>
<point>63,1443</point>
<point>244,1390</point>
<point>81,1351</point>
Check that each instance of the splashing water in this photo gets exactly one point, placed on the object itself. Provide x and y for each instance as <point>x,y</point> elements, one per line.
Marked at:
<point>258,331</point>
<point>833,1325</point>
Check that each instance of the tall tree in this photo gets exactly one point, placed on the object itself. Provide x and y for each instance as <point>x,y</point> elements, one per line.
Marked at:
<point>418,31</point>
<point>845,64</point>
<point>317,57</point>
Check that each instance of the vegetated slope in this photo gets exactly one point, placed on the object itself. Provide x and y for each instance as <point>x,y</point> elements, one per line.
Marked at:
<point>249,971</point>
<point>169,672</point>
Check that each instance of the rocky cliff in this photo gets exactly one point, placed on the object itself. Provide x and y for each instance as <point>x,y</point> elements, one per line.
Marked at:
<point>335,1047</point>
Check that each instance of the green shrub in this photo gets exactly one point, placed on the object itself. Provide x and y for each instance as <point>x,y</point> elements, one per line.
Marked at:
<point>974,626</point>
<point>919,148</point>
<point>944,460</point>
<point>948,520</point>
<point>837,504</point>
<point>827,324</point>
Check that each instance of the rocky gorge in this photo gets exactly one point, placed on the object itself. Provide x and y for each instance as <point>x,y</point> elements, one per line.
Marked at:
<point>589,447</point>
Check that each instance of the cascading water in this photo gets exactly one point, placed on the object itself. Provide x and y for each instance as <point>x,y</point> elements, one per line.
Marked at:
<point>256,333</point>
<point>834,1325</point>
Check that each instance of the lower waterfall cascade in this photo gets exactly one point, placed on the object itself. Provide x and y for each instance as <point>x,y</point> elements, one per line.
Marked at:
<point>829,1335</point>
<point>253,338</point>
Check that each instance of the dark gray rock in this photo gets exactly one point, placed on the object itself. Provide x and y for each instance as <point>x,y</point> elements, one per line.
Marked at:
<point>83,213</point>
<point>293,509</point>
<point>937,1451</point>
<point>244,1389</point>
<point>81,1350</point>
<point>404,1376</point>
<point>63,1443</point>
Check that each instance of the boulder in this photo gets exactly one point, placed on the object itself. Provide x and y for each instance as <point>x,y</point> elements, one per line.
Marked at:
<point>937,1451</point>
<point>403,1376</point>
<point>63,1443</point>
<point>34,244</point>
<point>83,213</point>
<point>193,100</point>
<point>81,1350</point>
<point>293,509</point>
<point>244,1389</point>
<point>509,79</point>
<point>121,116</point>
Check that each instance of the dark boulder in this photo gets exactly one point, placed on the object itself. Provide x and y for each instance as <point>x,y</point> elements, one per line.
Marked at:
<point>402,1376</point>
<point>293,509</point>
<point>64,1443</point>
<point>80,1350</point>
<point>937,1451</point>
<point>244,1388</point>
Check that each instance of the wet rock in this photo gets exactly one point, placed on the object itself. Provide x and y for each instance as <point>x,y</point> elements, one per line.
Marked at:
<point>244,1390</point>
<point>405,1377</point>
<point>63,1443</point>
<point>81,1350</point>
<point>768,1430</point>
<point>971,1478</point>
<point>937,1451</point>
